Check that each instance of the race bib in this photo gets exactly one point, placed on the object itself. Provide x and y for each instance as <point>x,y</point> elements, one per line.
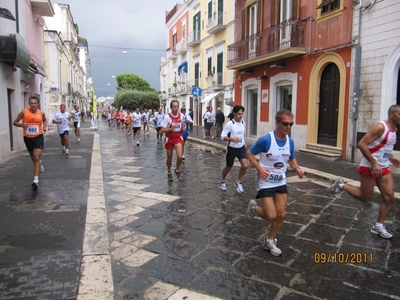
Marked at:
<point>178,128</point>
<point>32,130</point>
<point>275,177</point>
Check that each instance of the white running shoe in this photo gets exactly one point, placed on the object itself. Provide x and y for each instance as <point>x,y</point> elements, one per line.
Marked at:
<point>249,211</point>
<point>239,186</point>
<point>335,188</point>
<point>63,150</point>
<point>66,152</point>
<point>35,184</point>
<point>41,169</point>
<point>272,247</point>
<point>381,231</point>
<point>222,186</point>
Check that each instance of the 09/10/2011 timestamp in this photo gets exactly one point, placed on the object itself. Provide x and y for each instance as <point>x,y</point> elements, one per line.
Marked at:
<point>342,258</point>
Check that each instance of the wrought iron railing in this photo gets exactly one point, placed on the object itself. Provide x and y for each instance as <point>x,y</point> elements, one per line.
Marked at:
<point>285,35</point>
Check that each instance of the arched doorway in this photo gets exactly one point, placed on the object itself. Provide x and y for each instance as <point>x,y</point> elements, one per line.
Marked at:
<point>329,106</point>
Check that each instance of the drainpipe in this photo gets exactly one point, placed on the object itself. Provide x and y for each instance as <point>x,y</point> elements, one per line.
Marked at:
<point>310,19</point>
<point>16,17</point>
<point>356,93</point>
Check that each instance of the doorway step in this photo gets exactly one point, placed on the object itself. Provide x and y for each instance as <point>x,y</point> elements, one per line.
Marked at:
<point>329,152</point>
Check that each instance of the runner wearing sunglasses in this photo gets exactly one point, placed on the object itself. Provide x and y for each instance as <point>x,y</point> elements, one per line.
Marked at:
<point>276,150</point>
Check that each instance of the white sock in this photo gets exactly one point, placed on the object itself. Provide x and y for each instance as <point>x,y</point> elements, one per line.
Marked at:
<point>341,185</point>
<point>35,178</point>
<point>270,241</point>
<point>378,224</point>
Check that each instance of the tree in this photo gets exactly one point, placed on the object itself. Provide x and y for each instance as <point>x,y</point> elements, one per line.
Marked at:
<point>132,99</point>
<point>133,82</point>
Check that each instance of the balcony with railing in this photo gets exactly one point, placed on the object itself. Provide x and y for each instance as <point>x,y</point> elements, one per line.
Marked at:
<point>215,80</point>
<point>181,46</point>
<point>194,38</point>
<point>216,23</point>
<point>171,52</point>
<point>282,41</point>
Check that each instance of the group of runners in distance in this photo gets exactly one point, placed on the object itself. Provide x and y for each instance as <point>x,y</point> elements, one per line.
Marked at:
<point>275,150</point>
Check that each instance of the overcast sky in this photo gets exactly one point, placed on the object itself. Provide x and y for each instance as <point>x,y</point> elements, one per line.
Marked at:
<point>122,24</point>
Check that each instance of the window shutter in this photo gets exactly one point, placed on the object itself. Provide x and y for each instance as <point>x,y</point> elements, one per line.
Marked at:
<point>274,13</point>
<point>260,8</point>
<point>244,24</point>
<point>295,9</point>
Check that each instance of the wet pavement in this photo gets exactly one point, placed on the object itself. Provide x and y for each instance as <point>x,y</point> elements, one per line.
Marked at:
<point>184,239</point>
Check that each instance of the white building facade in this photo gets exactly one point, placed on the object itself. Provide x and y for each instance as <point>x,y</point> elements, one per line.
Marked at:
<point>379,80</point>
<point>22,64</point>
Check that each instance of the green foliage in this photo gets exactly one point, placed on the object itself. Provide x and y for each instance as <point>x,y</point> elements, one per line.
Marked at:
<point>133,82</point>
<point>132,99</point>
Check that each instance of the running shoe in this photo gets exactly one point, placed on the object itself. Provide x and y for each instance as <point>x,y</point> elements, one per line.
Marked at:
<point>213,137</point>
<point>378,230</point>
<point>222,186</point>
<point>66,152</point>
<point>41,169</point>
<point>239,186</point>
<point>170,177</point>
<point>178,174</point>
<point>183,157</point>
<point>148,133</point>
<point>63,150</point>
<point>137,143</point>
<point>35,184</point>
<point>79,140</point>
<point>335,188</point>
<point>249,211</point>
<point>271,246</point>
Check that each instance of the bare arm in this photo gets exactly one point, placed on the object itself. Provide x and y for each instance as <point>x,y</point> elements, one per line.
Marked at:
<point>18,119</point>
<point>44,122</point>
<point>372,134</point>
<point>264,173</point>
<point>295,166</point>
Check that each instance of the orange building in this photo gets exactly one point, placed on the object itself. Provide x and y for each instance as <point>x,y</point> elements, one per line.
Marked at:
<point>295,55</point>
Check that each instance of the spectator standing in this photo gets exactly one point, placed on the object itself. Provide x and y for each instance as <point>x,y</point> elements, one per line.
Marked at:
<point>210,128</point>
<point>219,121</point>
<point>191,117</point>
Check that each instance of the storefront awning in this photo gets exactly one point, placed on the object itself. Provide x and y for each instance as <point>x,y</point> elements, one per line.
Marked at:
<point>35,69</point>
<point>210,97</point>
<point>14,52</point>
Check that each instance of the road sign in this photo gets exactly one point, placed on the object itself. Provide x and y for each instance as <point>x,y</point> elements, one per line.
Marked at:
<point>197,92</point>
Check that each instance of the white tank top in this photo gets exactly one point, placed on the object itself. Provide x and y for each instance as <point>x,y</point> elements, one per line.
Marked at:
<point>381,148</point>
<point>276,160</point>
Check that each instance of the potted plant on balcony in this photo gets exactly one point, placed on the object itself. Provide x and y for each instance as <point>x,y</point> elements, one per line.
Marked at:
<point>210,73</point>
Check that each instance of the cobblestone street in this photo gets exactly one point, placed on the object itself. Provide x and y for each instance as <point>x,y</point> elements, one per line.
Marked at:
<point>146,238</point>
<point>186,237</point>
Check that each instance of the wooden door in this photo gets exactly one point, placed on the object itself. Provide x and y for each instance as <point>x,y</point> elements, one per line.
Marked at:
<point>329,106</point>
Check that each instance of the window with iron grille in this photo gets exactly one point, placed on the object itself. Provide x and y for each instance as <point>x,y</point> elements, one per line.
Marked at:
<point>328,6</point>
